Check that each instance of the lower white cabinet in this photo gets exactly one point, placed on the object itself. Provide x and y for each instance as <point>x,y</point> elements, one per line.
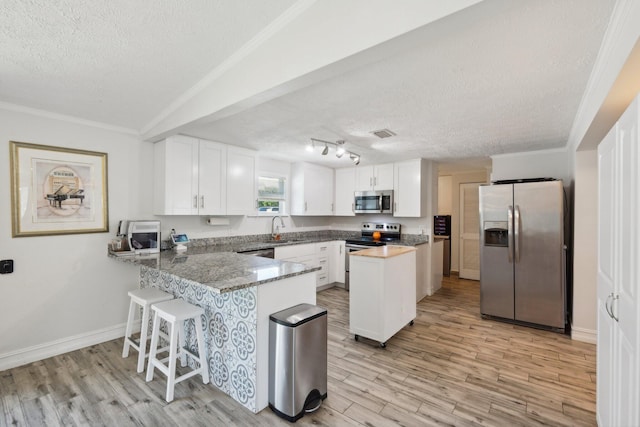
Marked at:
<point>382,294</point>
<point>337,261</point>
<point>618,359</point>
<point>322,254</point>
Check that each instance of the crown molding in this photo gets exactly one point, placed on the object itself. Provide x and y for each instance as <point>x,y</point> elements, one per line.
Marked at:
<point>65,118</point>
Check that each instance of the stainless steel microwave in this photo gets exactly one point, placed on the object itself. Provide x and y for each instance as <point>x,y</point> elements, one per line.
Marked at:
<point>373,201</point>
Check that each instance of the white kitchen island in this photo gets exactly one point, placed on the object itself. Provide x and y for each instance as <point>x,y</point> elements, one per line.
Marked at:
<point>382,293</point>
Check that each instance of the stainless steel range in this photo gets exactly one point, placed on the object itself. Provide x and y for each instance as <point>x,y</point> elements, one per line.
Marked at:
<point>389,233</point>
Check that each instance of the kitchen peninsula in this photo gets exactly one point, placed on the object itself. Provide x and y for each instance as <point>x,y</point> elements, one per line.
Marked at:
<point>238,293</point>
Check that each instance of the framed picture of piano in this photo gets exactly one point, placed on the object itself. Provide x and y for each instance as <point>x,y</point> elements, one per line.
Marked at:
<point>57,190</point>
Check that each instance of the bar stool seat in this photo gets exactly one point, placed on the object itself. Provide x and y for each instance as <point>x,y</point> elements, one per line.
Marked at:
<point>144,298</point>
<point>175,313</point>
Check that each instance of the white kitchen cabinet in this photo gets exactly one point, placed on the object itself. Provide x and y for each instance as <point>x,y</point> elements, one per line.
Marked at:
<point>190,177</point>
<point>329,256</point>
<point>323,252</point>
<point>337,261</point>
<point>618,358</point>
<point>306,254</point>
<point>241,181</point>
<point>345,186</point>
<point>411,182</point>
<point>382,291</point>
<point>311,189</point>
<point>377,177</point>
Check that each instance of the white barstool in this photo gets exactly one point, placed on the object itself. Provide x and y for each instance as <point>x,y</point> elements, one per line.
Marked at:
<point>175,313</point>
<point>144,298</point>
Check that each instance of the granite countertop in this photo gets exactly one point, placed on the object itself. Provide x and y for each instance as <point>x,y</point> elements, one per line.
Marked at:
<point>387,251</point>
<point>216,263</point>
<point>222,271</point>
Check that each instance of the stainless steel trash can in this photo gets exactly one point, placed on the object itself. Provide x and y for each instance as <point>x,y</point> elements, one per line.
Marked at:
<point>297,360</point>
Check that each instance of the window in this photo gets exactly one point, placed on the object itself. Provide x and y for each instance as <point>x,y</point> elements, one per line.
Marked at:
<point>271,194</point>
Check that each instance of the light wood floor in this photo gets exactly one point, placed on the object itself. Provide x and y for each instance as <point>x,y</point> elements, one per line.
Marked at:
<point>450,368</point>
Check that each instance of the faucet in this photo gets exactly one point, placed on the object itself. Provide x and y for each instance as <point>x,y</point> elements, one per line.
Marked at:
<point>275,230</point>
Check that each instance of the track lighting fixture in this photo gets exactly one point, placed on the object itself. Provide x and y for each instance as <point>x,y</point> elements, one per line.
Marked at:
<point>339,146</point>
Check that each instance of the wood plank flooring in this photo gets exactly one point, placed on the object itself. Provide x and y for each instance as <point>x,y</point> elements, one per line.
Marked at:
<point>450,368</point>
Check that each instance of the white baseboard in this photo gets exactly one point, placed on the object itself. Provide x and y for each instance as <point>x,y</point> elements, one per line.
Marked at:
<point>584,335</point>
<point>64,345</point>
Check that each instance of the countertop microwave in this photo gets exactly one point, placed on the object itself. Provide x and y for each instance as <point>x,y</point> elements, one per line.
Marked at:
<point>144,236</point>
<point>373,201</point>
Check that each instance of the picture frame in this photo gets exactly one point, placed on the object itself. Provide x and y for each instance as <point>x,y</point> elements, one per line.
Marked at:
<point>57,190</point>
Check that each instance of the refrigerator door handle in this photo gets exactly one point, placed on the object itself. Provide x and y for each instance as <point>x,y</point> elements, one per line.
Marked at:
<point>516,237</point>
<point>510,233</point>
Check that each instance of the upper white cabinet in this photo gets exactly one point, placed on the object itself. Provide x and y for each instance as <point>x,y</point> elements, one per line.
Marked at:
<point>311,189</point>
<point>618,358</point>
<point>344,189</point>
<point>190,177</point>
<point>411,180</point>
<point>378,177</point>
<point>199,177</point>
<point>241,181</point>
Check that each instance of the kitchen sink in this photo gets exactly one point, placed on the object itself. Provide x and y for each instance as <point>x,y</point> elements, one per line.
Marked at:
<point>276,242</point>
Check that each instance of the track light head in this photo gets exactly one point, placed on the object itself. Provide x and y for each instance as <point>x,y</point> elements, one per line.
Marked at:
<point>340,150</point>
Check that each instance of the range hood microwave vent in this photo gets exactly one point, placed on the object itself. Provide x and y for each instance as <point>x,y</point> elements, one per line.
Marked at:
<point>383,133</point>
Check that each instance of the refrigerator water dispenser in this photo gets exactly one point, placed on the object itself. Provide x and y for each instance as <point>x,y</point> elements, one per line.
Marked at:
<point>496,233</point>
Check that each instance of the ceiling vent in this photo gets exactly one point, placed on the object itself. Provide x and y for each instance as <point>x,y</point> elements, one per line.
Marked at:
<point>383,133</point>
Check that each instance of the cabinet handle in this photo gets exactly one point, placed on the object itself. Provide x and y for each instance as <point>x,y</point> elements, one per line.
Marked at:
<point>331,207</point>
<point>202,201</point>
<point>370,181</point>
<point>353,207</point>
<point>195,202</point>
<point>375,181</point>
<point>257,204</point>
<point>395,206</point>
<point>305,206</point>
<point>606,305</point>
<point>614,299</point>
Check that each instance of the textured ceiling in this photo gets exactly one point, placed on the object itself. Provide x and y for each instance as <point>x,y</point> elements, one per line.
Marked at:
<point>119,61</point>
<point>509,84</point>
<point>505,84</point>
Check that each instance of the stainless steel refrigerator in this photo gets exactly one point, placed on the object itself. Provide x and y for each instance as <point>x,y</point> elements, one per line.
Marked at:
<point>522,253</point>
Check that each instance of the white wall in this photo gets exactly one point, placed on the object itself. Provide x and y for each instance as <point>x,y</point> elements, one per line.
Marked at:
<point>585,259</point>
<point>65,287</point>
<point>445,194</point>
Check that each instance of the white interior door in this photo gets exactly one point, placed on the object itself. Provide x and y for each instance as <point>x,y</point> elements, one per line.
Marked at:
<point>469,231</point>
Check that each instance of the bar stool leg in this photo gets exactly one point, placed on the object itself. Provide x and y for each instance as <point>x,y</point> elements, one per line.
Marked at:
<point>182,342</point>
<point>154,344</point>
<point>127,334</point>
<point>171,376</point>
<point>143,337</point>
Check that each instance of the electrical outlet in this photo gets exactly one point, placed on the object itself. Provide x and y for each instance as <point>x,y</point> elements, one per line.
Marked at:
<point>6,266</point>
